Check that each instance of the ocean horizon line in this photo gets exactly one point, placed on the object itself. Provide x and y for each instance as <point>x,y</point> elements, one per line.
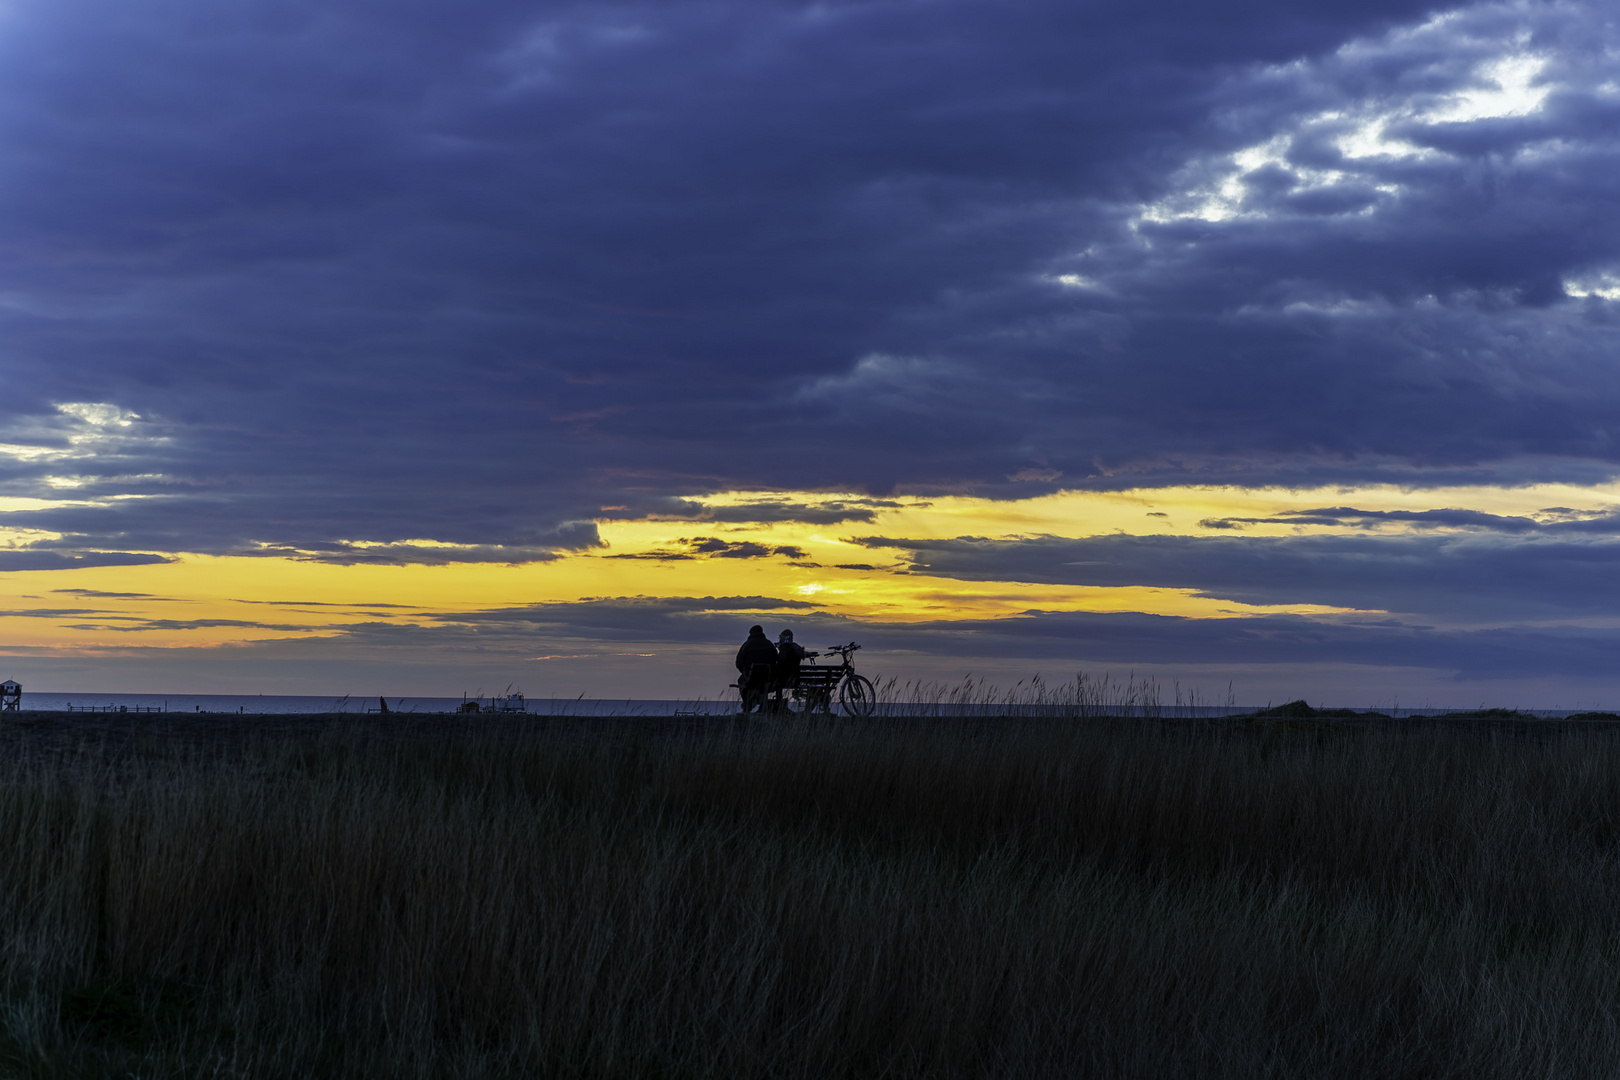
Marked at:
<point>288,704</point>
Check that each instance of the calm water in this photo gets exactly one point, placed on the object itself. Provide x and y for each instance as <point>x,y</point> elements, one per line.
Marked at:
<point>249,704</point>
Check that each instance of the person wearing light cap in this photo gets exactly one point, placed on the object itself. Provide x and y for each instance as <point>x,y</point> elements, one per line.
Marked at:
<point>755,651</point>
<point>792,655</point>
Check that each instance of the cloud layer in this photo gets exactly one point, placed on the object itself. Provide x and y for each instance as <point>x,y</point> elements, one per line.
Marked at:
<point>1058,643</point>
<point>1471,578</point>
<point>421,283</point>
<point>338,274</point>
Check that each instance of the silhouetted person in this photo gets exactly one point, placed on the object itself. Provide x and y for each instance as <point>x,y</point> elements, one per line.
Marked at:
<point>791,655</point>
<point>756,660</point>
<point>756,650</point>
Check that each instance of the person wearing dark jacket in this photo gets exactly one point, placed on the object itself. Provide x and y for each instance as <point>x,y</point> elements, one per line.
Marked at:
<point>756,650</point>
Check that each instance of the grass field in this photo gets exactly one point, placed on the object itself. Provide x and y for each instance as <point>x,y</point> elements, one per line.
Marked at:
<point>940,898</point>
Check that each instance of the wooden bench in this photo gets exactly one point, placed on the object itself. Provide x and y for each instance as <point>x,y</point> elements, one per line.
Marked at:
<point>815,686</point>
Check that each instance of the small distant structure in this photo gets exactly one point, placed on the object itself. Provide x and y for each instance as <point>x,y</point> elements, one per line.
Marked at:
<point>10,696</point>
<point>512,703</point>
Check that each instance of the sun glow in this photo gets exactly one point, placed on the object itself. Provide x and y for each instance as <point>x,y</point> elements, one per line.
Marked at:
<point>840,566</point>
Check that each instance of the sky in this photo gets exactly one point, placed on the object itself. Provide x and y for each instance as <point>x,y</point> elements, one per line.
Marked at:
<point>1268,349</point>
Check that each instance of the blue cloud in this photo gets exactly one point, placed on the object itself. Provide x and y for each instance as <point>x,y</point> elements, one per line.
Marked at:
<point>319,279</point>
<point>364,276</point>
<point>1041,640</point>
<point>1466,577</point>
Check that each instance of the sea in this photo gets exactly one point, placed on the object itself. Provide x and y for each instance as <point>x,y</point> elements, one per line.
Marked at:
<point>282,704</point>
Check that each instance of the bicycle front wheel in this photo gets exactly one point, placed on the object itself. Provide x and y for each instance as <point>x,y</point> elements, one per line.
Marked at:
<point>857,696</point>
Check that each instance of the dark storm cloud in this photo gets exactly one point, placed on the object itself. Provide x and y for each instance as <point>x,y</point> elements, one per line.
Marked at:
<point>28,559</point>
<point>753,512</point>
<point>1347,515</point>
<point>635,618</point>
<point>423,282</point>
<point>323,603</point>
<point>121,622</point>
<point>1419,332</point>
<point>1055,642</point>
<point>374,273</point>
<point>125,624</point>
<point>714,548</point>
<point>209,624</point>
<point>832,513</point>
<point>347,554</point>
<point>1123,639</point>
<point>1552,520</point>
<point>175,523</point>
<point>1487,578</point>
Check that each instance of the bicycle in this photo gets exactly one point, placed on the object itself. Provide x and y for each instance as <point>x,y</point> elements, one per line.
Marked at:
<point>814,687</point>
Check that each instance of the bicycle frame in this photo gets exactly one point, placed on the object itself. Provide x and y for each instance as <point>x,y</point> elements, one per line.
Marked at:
<point>855,692</point>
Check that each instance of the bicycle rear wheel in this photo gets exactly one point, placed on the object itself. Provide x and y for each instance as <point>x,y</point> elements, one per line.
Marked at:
<point>857,696</point>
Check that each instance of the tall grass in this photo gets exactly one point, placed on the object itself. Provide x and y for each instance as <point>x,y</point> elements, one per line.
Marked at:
<point>1082,697</point>
<point>940,898</point>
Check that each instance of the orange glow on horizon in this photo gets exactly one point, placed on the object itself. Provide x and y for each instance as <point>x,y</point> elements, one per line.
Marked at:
<point>212,601</point>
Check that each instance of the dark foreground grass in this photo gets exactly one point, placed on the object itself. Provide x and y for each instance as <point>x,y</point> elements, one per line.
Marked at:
<point>941,899</point>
